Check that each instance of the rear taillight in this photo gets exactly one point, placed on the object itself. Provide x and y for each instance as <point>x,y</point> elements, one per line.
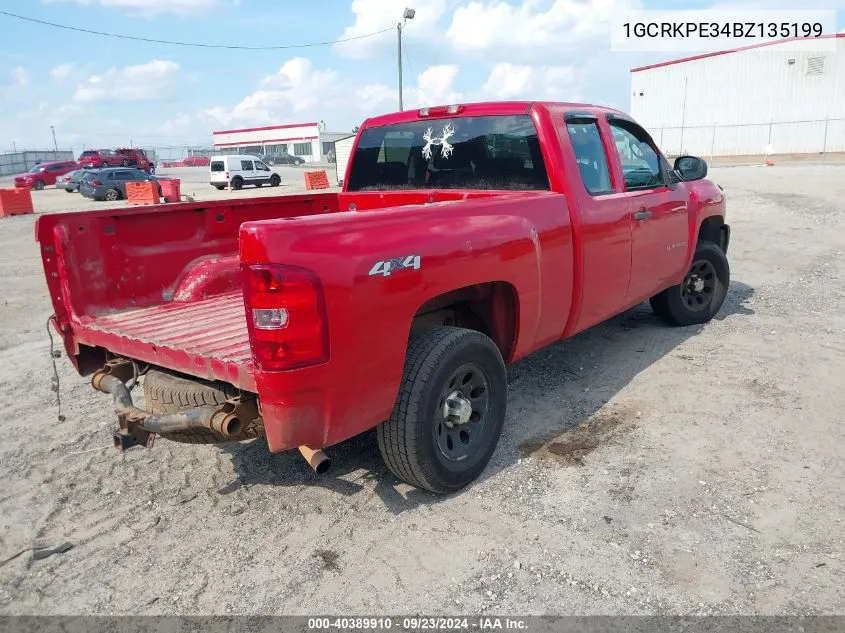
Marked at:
<point>286,316</point>
<point>96,182</point>
<point>227,175</point>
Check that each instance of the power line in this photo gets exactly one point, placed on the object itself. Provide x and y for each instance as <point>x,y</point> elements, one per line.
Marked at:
<point>192,44</point>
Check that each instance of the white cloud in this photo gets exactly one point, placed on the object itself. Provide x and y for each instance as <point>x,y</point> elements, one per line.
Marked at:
<point>150,8</point>
<point>499,26</point>
<point>144,82</point>
<point>510,81</point>
<point>296,88</point>
<point>62,71</point>
<point>20,76</point>
<point>374,15</point>
<point>434,86</point>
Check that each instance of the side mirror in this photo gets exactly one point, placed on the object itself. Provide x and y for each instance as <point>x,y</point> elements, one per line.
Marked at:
<point>690,168</point>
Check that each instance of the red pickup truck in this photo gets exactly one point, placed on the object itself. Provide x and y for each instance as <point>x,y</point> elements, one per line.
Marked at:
<point>465,238</point>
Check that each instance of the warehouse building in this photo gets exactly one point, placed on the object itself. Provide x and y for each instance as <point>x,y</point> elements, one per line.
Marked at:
<point>779,97</point>
<point>309,141</point>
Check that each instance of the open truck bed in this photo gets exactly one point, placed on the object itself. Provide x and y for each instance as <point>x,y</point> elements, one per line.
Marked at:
<point>160,285</point>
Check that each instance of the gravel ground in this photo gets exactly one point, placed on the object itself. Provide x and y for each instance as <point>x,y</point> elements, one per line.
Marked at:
<point>194,183</point>
<point>643,469</point>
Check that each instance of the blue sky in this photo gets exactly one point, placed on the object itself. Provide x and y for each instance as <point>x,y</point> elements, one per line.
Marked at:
<point>103,92</point>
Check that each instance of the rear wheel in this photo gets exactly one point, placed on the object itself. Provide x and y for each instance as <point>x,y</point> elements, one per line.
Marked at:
<point>237,182</point>
<point>125,163</point>
<point>71,190</point>
<point>167,392</point>
<point>104,164</point>
<point>275,180</point>
<point>448,417</point>
<point>112,195</point>
<point>699,297</point>
<point>219,187</point>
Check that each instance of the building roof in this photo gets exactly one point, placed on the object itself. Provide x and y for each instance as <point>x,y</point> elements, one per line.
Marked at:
<point>265,128</point>
<point>730,50</point>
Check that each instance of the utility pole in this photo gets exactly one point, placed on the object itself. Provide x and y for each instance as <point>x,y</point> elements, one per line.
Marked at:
<point>55,145</point>
<point>407,15</point>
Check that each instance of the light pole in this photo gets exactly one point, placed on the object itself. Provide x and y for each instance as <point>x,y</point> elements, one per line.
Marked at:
<point>55,145</point>
<point>407,15</point>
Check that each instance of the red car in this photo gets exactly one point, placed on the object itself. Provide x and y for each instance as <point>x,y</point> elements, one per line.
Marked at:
<point>197,161</point>
<point>96,158</point>
<point>135,157</point>
<point>466,237</point>
<point>44,174</point>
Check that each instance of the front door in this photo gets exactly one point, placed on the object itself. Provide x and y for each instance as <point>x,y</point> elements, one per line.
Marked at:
<point>659,222</point>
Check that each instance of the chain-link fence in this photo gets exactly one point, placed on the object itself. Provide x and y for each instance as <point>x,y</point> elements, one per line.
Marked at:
<point>793,137</point>
<point>18,162</point>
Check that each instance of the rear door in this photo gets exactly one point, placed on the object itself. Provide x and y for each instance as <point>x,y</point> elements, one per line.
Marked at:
<point>605,218</point>
<point>122,176</point>
<point>659,223</point>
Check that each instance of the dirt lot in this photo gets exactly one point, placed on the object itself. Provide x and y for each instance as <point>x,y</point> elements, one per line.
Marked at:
<point>643,469</point>
<point>194,183</point>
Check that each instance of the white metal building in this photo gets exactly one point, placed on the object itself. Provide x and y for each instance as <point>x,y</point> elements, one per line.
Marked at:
<point>343,149</point>
<point>778,97</point>
<point>307,140</point>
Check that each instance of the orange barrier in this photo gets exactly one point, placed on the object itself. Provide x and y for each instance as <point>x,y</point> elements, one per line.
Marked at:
<point>15,202</point>
<point>170,189</point>
<point>316,180</point>
<point>144,192</point>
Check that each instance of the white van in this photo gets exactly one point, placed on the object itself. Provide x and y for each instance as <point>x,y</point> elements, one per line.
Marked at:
<point>240,170</point>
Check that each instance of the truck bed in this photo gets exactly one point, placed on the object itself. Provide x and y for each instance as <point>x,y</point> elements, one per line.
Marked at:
<point>210,334</point>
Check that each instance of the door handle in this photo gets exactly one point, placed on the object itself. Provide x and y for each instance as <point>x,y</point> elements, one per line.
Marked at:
<point>642,214</point>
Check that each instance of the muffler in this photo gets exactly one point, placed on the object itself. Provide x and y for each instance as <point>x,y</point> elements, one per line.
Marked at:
<point>139,427</point>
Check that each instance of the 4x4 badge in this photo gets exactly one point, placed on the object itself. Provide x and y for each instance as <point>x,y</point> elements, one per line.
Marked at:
<point>387,266</point>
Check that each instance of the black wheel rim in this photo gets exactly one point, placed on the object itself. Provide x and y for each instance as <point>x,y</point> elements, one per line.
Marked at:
<point>461,418</point>
<point>699,286</point>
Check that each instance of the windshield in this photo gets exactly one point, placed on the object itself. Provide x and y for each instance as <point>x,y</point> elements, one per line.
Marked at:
<point>36,169</point>
<point>486,152</point>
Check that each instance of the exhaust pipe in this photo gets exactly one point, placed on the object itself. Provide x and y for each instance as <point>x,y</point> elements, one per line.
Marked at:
<point>222,419</point>
<point>318,460</point>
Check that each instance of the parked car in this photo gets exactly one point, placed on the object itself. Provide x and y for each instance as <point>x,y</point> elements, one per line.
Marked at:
<point>70,181</point>
<point>135,157</point>
<point>283,158</point>
<point>466,237</point>
<point>239,170</point>
<point>197,161</point>
<point>44,174</point>
<point>91,158</point>
<point>110,183</point>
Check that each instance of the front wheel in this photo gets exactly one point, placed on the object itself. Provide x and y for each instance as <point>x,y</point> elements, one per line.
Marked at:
<point>124,163</point>
<point>275,181</point>
<point>449,414</point>
<point>39,185</point>
<point>699,297</point>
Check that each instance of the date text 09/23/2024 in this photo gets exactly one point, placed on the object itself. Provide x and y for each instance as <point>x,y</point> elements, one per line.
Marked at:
<point>417,623</point>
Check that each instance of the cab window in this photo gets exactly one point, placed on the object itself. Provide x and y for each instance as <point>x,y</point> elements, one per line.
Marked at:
<point>589,152</point>
<point>246,165</point>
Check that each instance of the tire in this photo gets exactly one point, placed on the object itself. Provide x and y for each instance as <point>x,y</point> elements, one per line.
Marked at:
<point>219,187</point>
<point>275,180</point>
<point>112,195</point>
<point>415,441</point>
<point>124,163</point>
<point>104,164</point>
<point>70,190</point>
<point>38,185</point>
<point>167,392</point>
<point>258,185</point>
<point>685,304</point>
<point>237,182</point>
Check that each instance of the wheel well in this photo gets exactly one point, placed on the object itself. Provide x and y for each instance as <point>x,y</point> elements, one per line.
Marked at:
<point>489,308</point>
<point>711,230</point>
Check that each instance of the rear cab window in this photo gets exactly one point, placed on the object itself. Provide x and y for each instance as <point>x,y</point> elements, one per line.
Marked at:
<point>589,151</point>
<point>477,153</point>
